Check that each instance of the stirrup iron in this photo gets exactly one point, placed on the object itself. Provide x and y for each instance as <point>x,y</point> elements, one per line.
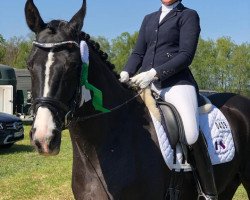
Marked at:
<point>202,195</point>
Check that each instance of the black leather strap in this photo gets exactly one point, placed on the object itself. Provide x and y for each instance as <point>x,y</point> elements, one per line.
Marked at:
<point>45,101</point>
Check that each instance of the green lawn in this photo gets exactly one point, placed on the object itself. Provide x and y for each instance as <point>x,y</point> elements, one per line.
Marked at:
<point>24,175</point>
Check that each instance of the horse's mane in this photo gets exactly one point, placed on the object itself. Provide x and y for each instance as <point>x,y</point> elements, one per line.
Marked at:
<point>96,47</point>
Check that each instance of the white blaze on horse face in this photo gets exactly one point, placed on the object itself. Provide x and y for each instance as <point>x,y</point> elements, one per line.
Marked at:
<point>48,65</point>
<point>44,123</point>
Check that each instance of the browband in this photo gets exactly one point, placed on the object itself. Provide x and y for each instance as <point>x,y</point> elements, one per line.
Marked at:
<point>52,45</point>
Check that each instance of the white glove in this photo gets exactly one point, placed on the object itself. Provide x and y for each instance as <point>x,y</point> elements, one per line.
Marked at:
<point>144,79</point>
<point>124,77</point>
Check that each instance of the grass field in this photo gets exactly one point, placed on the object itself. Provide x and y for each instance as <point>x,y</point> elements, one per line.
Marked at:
<point>24,175</point>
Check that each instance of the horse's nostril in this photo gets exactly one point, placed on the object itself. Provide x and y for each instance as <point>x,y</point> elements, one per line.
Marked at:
<point>38,145</point>
<point>55,140</point>
<point>32,131</point>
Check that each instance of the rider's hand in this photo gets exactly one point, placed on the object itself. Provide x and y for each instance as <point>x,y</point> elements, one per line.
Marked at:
<point>144,79</point>
<point>124,77</point>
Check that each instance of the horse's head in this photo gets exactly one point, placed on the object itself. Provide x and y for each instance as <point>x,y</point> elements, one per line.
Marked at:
<point>55,67</point>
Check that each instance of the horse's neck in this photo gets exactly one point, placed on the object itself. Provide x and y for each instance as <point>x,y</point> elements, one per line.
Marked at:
<point>101,77</point>
<point>114,139</point>
<point>128,123</point>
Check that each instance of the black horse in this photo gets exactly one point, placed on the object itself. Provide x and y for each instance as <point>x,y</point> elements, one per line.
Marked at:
<point>115,154</point>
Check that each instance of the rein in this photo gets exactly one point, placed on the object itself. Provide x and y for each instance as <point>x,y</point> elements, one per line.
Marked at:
<point>81,119</point>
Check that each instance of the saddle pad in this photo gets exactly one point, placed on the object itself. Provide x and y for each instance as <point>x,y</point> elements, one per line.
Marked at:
<point>218,135</point>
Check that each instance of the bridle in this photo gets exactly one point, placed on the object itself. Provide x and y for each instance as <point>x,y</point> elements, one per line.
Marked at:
<point>58,108</point>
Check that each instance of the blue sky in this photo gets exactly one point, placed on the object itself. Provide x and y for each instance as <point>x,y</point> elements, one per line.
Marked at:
<point>112,17</point>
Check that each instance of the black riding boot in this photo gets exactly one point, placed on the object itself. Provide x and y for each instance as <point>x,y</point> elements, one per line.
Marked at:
<point>203,169</point>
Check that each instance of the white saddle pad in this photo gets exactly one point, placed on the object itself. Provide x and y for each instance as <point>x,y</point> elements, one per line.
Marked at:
<point>218,135</point>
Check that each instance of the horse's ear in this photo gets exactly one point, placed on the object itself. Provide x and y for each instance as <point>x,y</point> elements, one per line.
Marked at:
<point>33,18</point>
<point>77,20</point>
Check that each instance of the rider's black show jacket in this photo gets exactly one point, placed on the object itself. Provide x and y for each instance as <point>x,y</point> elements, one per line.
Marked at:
<point>168,46</point>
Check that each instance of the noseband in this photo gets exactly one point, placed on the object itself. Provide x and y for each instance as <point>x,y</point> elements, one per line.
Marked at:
<point>58,108</point>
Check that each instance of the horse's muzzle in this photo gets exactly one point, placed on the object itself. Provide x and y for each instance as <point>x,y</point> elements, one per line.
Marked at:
<point>47,146</point>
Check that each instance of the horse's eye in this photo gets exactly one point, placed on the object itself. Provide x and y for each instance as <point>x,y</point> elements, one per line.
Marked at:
<point>52,30</point>
<point>29,64</point>
<point>29,67</point>
<point>72,64</point>
<point>70,46</point>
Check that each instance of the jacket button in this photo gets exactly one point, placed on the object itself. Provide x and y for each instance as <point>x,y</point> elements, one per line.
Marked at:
<point>156,30</point>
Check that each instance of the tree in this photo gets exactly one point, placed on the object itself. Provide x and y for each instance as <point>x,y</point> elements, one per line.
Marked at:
<point>2,40</point>
<point>24,49</point>
<point>104,44</point>
<point>11,51</point>
<point>2,48</point>
<point>222,65</point>
<point>241,69</point>
<point>16,51</point>
<point>204,63</point>
<point>121,48</point>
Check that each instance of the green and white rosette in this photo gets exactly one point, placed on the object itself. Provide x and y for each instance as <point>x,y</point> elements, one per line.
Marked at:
<point>97,100</point>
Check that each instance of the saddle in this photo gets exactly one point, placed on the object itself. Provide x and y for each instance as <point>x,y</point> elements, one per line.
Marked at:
<point>170,133</point>
<point>176,152</point>
<point>172,122</point>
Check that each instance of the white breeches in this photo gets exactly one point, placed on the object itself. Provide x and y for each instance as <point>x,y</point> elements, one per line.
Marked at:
<point>184,99</point>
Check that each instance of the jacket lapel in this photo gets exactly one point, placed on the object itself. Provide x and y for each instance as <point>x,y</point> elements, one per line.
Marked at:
<point>172,13</point>
<point>156,20</point>
<point>154,24</point>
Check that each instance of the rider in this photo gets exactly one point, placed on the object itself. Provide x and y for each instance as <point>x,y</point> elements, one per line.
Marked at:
<point>164,50</point>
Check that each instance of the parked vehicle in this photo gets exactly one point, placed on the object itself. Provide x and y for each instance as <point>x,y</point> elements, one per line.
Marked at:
<point>7,89</point>
<point>11,130</point>
<point>207,92</point>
